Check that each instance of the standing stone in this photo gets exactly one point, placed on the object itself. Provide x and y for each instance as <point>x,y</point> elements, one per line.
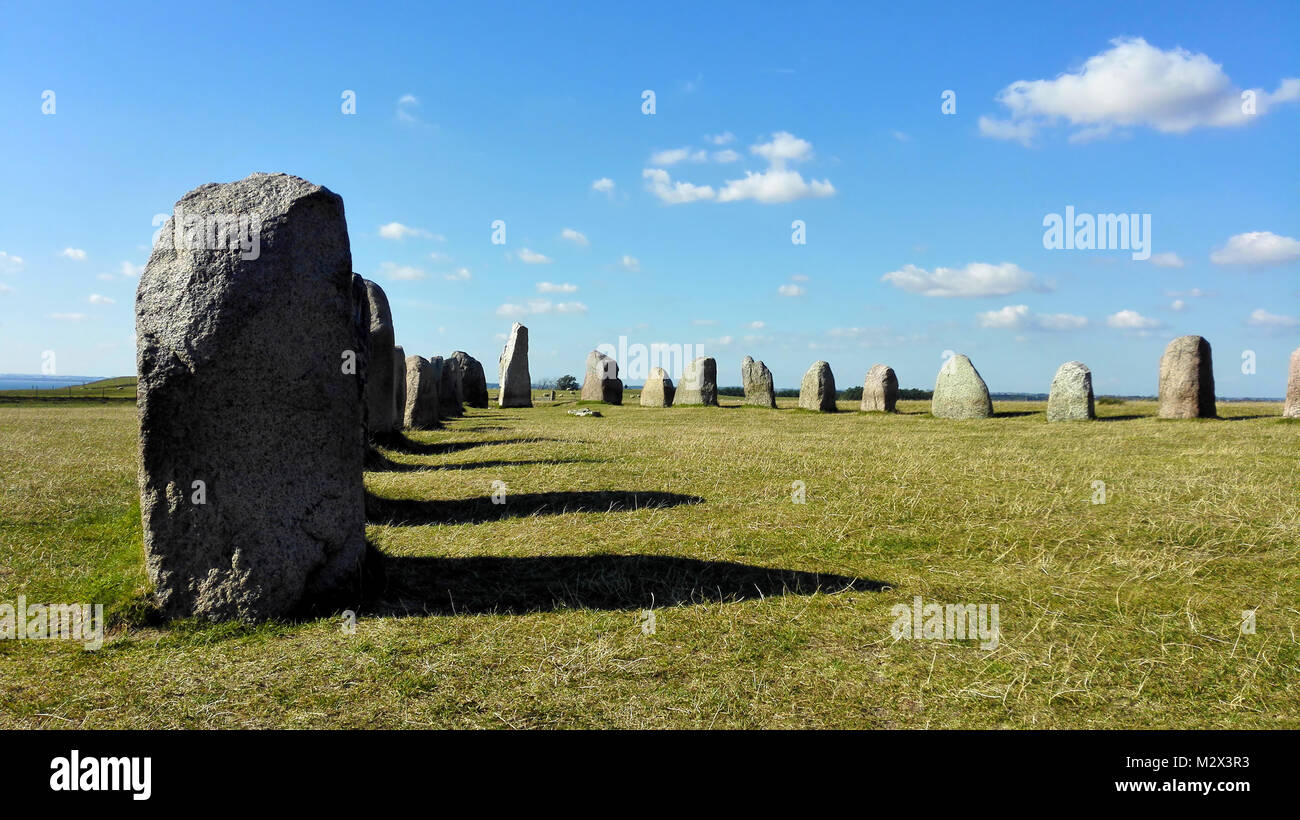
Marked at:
<point>515,385</point>
<point>380,382</point>
<point>817,390</point>
<point>960,392</point>
<point>361,349</point>
<point>420,411</point>
<point>880,390</point>
<point>602,382</point>
<point>551,396</point>
<point>1071,396</point>
<point>1187,380</point>
<point>1291,409</point>
<point>399,387</point>
<point>473,382</point>
<point>251,437</point>
<point>436,365</point>
<point>658,390</point>
<point>450,389</point>
<point>757,381</point>
<point>699,383</point>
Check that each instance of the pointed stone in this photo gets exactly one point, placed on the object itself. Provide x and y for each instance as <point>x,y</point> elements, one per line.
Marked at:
<point>381,408</point>
<point>1071,397</point>
<point>658,390</point>
<point>473,381</point>
<point>602,382</point>
<point>516,385</point>
<point>960,392</point>
<point>757,382</point>
<point>817,390</point>
<point>1187,380</point>
<point>880,390</point>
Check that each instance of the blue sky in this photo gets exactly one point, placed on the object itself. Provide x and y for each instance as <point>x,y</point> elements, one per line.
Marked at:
<point>924,229</point>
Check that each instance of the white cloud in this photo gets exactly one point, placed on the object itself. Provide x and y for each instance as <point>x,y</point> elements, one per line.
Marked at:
<point>97,299</point>
<point>1019,317</point>
<point>659,183</point>
<point>973,280</point>
<point>132,271</point>
<point>783,147</point>
<point>604,185</point>
<point>1177,305</point>
<point>396,230</point>
<point>1133,84</point>
<point>630,263</point>
<point>756,325</point>
<point>725,138</point>
<point>725,155</point>
<point>533,257</point>
<point>404,273</point>
<point>901,136</point>
<point>1262,318</point>
<point>791,290</point>
<point>5,288</point>
<point>405,104</point>
<point>68,317</point>
<point>576,237</point>
<point>536,307</point>
<point>73,253</point>
<point>775,185</point>
<point>1167,260</point>
<point>673,156</point>
<point>1131,320</point>
<point>550,287</point>
<point>408,99</point>
<point>10,264</point>
<point>800,277</point>
<point>721,341</point>
<point>1257,249</point>
<point>459,275</point>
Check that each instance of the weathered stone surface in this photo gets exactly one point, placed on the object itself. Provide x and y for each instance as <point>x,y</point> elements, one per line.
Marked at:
<point>516,385</point>
<point>473,381</point>
<point>1187,380</point>
<point>436,365</point>
<point>451,389</point>
<point>421,409</point>
<point>880,390</point>
<point>658,390</point>
<point>1291,409</point>
<point>699,383</point>
<point>381,405</point>
<point>1071,397</point>
<point>757,381</point>
<point>817,390</point>
<point>240,388</point>
<point>399,387</point>
<point>602,382</point>
<point>360,365</point>
<point>960,392</point>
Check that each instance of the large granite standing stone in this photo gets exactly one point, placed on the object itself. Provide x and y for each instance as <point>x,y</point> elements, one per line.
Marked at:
<point>960,392</point>
<point>473,381</point>
<point>880,390</point>
<point>399,387</point>
<point>1187,380</point>
<point>451,389</point>
<point>658,390</point>
<point>699,383</point>
<point>421,409</point>
<point>602,382</point>
<point>1291,409</point>
<point>251,433</point>
<point>381,382</point>
<point>1071,397</point>
<point>516,386</point>
<point>361,349</point>
<point>817,390</point>
<point>757,381</point>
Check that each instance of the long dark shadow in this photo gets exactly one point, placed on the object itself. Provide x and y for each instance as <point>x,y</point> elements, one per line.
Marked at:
<point>399,443</point>
<point>377,462</point>
<point>413,512</point>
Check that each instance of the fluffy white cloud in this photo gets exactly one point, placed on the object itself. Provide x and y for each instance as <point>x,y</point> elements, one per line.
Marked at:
<point>604,185</point>
<point>1133,84</point>
<point>97,299</point>
<point>659,183</point>
<point>791,290</point>
<point>725,155</point>
<point>73,253</point>
<point>458,275</point>
<point>673,156</point>
<point>404,273</point>
<point>757,325</point>
<point>725,138</point>
<point>576,237</point>
<point>1262,318</point>
<point>1167,260</point>
<point>1177,305</point>
<point>396,230</point>
<point>129,270</point>
<point>550,287</point>
<point>9,263</point>
<point>536,307</point>
<point>776,184</point>
<point>783,147</point>
<point>975,279</point>
<point>533,257</point>
<point>1131,320</point>
<point>1019,317</point>
<point>630,263</point>
<point>1257,249</point>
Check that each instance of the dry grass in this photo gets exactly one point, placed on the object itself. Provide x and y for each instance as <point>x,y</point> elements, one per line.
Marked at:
<point>1117,615</point>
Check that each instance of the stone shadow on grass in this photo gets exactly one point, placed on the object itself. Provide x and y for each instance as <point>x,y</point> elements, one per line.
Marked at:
<point>399,443</point>
<point>414,512</point>
<point>377,462</point>
<point>515,585</point>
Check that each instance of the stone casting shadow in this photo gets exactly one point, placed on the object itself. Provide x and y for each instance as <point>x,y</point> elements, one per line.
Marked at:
<point>1010,414</point>
<point>404,512</point>
<point>399,443</point>
<point>1129,417</point>
<point>513,585</point>
<point>377,462</point>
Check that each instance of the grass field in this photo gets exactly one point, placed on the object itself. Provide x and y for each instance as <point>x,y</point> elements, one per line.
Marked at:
<point>767,613</point>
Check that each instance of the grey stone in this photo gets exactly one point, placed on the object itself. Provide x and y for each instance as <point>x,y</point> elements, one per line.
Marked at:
<point>1187,380</point>
<point>960,392</point>
<point>817,390</point>
<point>381,406</point>
<point>361,349</point>
<point>516,386</point>
<point>451,389</point>
<point>699,383</point>
<point>602,382</point>
<point>757,382</point>
<point>1071,397</point>
<point>399,387</point>
<point>658,390</point>
<point>583,412</point>
<point>420,411</point>
<point>240,388</point>
<point>1291,409</point>
<point>880,390</point>
<point>473,381</point>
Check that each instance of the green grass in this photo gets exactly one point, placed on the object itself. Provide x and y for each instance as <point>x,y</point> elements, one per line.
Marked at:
<point>1115,615</point>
